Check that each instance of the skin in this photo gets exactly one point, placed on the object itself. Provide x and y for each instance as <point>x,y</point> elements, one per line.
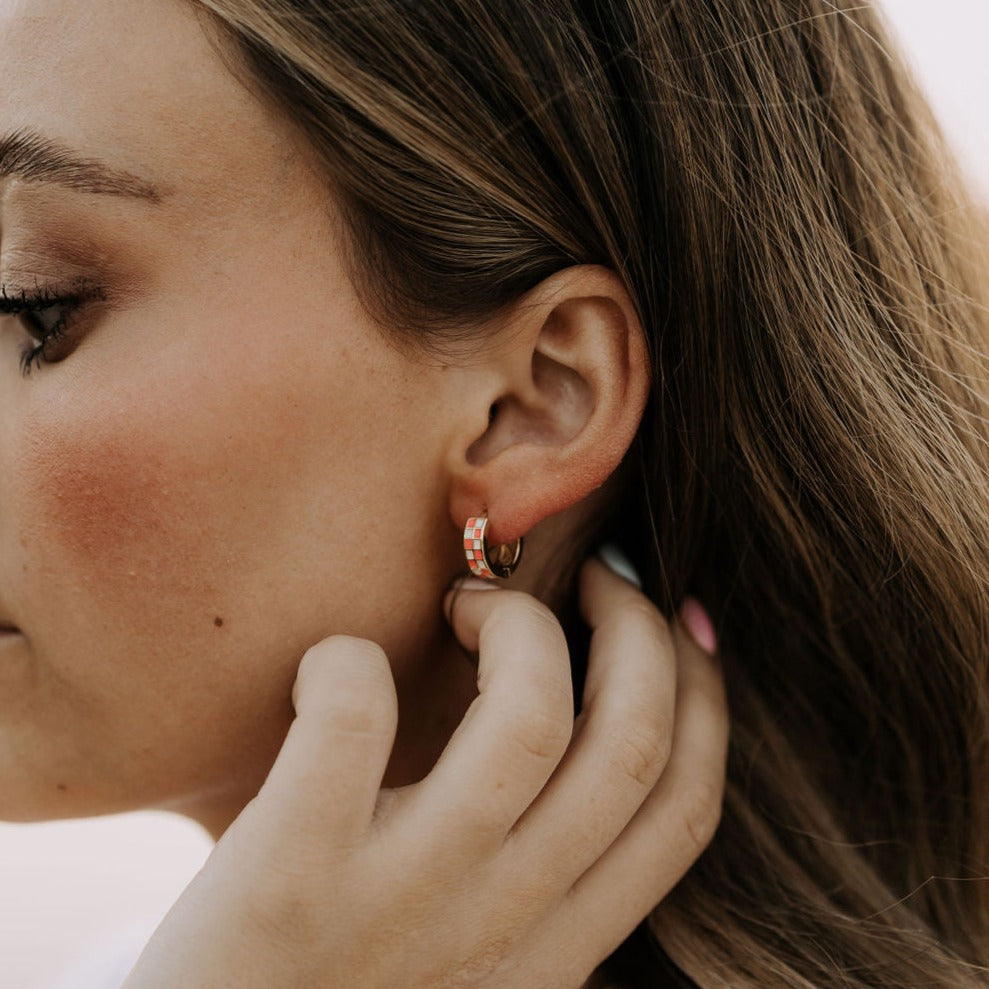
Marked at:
<point>135,517</point>
<point>525,856</point>
<point>225,461</point>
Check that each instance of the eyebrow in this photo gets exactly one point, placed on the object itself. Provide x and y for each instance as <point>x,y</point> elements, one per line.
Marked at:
<point>35,158</point>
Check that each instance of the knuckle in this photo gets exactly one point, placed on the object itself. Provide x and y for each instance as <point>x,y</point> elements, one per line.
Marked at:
<point>540,733</point>
<point>642,749</point>
<point>701,813</point>
<point>480,964</point>
<point>359,720</point>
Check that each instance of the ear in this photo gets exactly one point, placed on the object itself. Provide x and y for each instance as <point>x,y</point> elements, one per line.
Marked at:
<point>561,389</point>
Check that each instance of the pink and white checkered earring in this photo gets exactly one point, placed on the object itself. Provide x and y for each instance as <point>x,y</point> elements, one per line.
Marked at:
<point>500,563</point>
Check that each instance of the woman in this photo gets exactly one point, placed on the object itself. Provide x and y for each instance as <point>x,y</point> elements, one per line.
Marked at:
<point>690,278</point>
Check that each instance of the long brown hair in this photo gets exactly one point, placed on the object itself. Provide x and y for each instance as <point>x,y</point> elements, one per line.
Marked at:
<point>772,190</point>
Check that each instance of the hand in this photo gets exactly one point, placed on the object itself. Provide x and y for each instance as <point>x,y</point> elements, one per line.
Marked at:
<point>529,852</point>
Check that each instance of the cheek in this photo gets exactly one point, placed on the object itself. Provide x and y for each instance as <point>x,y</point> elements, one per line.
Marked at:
<point>148,677</point>
<point>127,501</point>
<point>190,494</point>
<point>108,513</point>
<point>101,499</point>
<point>245,486</point>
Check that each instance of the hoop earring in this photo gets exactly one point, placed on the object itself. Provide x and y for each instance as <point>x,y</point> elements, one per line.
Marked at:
<point>501,563</point>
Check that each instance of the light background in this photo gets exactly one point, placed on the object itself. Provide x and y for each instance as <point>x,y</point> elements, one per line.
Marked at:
<point>66,886</point>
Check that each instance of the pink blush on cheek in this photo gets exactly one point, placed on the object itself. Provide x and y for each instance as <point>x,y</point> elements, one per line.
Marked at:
<point>95,512</point>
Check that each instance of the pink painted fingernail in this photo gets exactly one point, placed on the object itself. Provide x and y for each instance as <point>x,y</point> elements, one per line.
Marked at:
<point>699,625</point>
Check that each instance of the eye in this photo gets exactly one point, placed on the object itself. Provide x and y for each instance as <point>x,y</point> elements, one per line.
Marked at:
<point>43,323</point>
<point>46,316</point>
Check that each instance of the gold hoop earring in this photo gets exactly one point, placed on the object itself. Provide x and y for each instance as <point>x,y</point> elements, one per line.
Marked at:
<point>501,563</point>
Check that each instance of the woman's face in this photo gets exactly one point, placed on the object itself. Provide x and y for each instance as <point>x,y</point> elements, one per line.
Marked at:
<point>223,461</point>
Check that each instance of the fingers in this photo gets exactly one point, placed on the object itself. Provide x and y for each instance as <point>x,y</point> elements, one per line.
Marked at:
<point>328,773</point>
<point>624,735</point>
<point>516,730</point>
<point>678,818</point>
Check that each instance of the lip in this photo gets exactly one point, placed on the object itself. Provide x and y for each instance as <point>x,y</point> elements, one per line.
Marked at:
<point>7,629</point>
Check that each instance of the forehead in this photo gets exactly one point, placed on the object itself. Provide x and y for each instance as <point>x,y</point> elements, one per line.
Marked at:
<point>139,84</point>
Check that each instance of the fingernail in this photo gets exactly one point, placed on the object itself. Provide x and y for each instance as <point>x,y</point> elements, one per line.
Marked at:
<point>617,562</point>
<point>465,584</point>
<point>697,622</point>
<point>473,584</point>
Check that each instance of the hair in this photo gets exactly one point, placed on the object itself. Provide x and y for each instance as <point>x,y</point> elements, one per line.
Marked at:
<point>769,185</point>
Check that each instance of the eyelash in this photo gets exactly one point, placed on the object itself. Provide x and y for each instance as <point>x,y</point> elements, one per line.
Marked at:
<point>23,303</point>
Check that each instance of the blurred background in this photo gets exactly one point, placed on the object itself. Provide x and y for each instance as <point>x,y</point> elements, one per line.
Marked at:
<point>944,43</point>
<point>68,890</point>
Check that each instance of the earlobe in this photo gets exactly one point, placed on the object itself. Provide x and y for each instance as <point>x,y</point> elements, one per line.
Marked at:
<point>567,383</point>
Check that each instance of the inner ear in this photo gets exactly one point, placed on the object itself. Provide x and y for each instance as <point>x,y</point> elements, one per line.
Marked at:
<point>550,412</point>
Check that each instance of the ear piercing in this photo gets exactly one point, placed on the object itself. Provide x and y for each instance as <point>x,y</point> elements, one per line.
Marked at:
<point>490,564</point>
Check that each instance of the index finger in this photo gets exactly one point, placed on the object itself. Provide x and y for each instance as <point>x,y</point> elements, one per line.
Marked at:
<point>514,733</point>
